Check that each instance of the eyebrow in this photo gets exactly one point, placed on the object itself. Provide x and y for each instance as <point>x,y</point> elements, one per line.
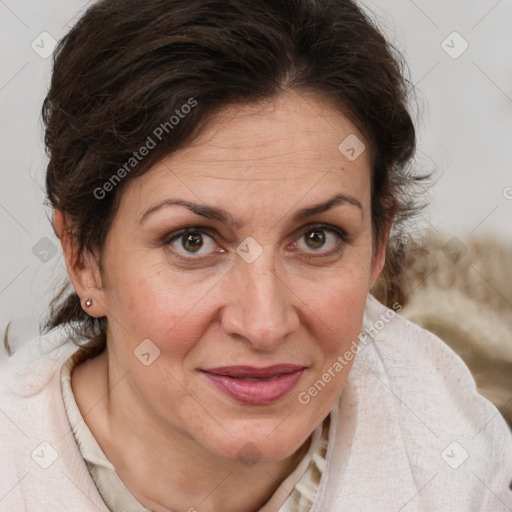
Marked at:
<point>212,212</point>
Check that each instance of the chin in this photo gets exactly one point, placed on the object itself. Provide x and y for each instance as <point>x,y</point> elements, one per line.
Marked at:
<point>253,441</point>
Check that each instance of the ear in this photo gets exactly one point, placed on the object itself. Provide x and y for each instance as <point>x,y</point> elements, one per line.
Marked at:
<point>83,268</point>
<point>379,257</point>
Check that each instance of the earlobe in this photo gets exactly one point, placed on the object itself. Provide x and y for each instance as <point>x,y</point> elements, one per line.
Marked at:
<point>82,267</point>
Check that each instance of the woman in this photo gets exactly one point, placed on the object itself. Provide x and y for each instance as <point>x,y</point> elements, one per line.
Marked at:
<point>224,177</point>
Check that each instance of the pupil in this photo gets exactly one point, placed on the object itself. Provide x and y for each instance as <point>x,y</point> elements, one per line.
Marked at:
<point>317,239</point>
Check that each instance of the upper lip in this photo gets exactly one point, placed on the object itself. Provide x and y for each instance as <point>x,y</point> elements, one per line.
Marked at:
<point>254,371</point>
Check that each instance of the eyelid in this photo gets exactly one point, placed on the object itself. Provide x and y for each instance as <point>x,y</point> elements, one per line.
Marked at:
<point>325,227</point>
<point>187,230</point>
<point>343,241</point>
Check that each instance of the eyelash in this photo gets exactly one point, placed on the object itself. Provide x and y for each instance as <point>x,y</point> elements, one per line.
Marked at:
<point>342,235</point>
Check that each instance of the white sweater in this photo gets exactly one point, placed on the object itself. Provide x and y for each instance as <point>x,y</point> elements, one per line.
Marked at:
<point>408,432</point>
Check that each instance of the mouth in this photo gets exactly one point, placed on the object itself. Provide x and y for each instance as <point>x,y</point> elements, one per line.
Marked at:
<point>255,386</point>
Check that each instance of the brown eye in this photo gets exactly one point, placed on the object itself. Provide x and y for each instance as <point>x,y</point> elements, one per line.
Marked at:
<point>192,242</point>
<point>315,239</point>
<point>325,240</point>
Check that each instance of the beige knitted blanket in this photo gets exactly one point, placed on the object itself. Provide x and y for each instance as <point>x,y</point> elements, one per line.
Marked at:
<point>461,290</point>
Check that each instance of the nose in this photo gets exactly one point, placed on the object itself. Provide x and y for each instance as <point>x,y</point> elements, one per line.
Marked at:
<point>259,307</point>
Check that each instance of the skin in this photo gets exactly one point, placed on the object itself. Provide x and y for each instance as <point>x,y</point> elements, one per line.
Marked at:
<point>173,437</point>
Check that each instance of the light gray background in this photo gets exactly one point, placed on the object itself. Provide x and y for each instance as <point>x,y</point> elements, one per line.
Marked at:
<point>464,127</point>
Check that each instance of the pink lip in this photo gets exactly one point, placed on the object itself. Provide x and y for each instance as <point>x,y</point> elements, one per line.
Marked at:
<point>230,380</point>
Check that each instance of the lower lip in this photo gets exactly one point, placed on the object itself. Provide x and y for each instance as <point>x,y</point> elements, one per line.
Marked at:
<point>256,392</point>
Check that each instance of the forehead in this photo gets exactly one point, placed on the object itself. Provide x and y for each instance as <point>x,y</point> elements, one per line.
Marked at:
<point>276,150</point>
<point>275,131</point>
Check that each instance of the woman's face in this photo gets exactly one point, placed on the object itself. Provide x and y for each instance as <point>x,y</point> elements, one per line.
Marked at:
<point>266,278</point>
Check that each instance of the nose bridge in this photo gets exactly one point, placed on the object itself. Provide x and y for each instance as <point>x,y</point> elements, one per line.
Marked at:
<point>259,308</point>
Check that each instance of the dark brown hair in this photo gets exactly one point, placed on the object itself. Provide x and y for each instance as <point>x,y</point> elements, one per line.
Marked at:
<point>127,67</point>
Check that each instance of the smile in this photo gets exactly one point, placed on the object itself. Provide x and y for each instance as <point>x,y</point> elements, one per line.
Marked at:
<point>255,386</point>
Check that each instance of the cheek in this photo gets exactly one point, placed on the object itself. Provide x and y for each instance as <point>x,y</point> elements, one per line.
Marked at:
<point>339,314</point>
<point>149,298</point>
<point>337,317</point>
<point>338,297</point>
<point>158,304</point>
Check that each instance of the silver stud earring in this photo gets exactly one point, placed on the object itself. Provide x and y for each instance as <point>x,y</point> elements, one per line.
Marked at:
<point>88,303</point>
